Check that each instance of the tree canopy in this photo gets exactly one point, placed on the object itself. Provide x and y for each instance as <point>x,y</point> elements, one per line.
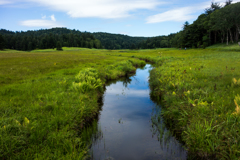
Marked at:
<point>118,41</point>
<point>217,25</point>
<point>48,38</point>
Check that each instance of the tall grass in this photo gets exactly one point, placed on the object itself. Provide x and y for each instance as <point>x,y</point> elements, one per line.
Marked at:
<point>44,110</point>
<point>200,93</point>
<point>43,115</point>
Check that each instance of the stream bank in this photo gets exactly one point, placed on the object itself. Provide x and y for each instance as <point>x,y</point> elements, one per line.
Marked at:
<point>129,126</point>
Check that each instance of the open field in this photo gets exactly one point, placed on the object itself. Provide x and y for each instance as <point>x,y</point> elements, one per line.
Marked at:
<point>16,66</point>
<point>44,106</point>
<point>45,103</point>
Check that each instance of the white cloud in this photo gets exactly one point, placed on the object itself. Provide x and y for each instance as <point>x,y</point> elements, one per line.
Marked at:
<point>222,2</point>
<point>40,23</point>
<point>236,1</point>
<point>180,14</point>
<point>2,2</point>
<point>53,18</point>
<point>99,8</point>
<point>183,13</point>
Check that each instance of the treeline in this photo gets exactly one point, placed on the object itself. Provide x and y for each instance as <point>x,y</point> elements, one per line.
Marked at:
<point>118,41</point>
<point>157,42</point>
<point>219,24</point>
<point>47,38</point>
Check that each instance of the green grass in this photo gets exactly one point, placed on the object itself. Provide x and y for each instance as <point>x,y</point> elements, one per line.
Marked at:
<point>64,49</point>
<point>225,47</point>
<point>10,51</point>
<point>19,66</point>
<point>45,104</point>
<point>198,92</point>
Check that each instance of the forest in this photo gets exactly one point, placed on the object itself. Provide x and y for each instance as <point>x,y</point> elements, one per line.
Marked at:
<point>118,41</point>
<point>47,38</point>
<point>218,24</point>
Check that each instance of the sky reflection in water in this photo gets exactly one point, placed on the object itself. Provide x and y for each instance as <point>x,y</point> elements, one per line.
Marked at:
<point>126,126</point>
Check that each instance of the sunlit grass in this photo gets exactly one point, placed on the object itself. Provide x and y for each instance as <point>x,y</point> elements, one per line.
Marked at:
<point>229,47</point>
<point>199,91</point>
<point>42,114</point>
<point>18,66</point>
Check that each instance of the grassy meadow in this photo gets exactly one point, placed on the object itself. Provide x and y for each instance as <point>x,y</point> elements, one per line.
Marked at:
<point>200,93</point>
<point>48,97</point>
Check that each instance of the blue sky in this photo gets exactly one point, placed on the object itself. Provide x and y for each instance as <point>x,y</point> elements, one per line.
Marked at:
<point>130,17</point>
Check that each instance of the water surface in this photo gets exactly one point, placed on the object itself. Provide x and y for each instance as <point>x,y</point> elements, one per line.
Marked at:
<point>129,124</point>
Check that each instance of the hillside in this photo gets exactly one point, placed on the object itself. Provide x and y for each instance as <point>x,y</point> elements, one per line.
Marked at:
<point>118,41</point>
<point>47,38</point>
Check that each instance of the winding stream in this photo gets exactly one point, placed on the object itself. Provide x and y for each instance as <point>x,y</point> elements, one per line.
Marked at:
<point>128,125</point>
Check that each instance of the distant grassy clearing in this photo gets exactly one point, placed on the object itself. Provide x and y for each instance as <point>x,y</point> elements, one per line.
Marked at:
<point>24,65</point>
<point>230,47</point>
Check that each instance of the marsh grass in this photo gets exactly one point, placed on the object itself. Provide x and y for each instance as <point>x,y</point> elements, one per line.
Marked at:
<point>19,66</point>
<point>200,93</point>
<point>42,115</point>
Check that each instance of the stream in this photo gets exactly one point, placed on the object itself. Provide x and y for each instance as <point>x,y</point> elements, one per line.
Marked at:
<point>130,125</point>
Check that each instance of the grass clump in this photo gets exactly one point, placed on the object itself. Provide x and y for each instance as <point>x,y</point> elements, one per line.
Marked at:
<point>137,62</point>
<point>121,69</point>
<point>87,80</point>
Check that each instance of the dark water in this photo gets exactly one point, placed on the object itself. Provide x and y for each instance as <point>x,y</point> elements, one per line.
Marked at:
<point>130,125</point>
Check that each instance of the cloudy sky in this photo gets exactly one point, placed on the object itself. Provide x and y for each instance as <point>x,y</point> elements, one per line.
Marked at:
<point>130,17</point>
